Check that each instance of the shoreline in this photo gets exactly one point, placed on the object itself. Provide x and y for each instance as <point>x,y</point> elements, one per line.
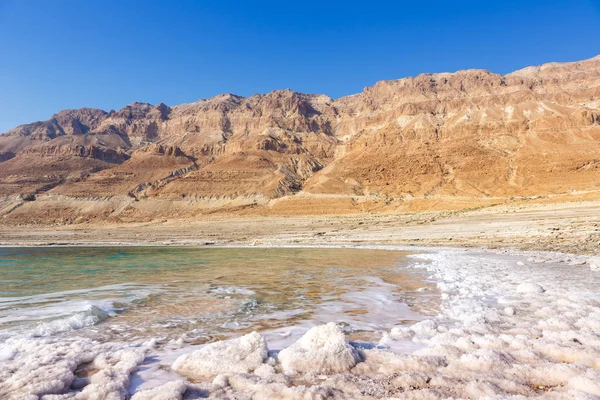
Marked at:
<point>563,227</point>
<point>481,324</point>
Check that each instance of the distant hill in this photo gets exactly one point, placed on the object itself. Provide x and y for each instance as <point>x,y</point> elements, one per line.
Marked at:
<point>436,140</point>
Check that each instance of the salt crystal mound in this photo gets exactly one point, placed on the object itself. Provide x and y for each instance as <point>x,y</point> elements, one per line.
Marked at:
<point>240,355</point>
<point>428,327</point>
<point>45,368</point>
<point>528,287</point>
<point>322,350</point>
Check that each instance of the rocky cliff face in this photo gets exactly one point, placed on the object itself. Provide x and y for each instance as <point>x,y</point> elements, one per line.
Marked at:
<point>465,135</point>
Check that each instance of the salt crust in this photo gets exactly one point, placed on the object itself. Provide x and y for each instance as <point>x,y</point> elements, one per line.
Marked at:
<point>45,369</point>
<point>322,350</point>
<point>240,355</point>
<point>492,339</point>
<point>173,390</point>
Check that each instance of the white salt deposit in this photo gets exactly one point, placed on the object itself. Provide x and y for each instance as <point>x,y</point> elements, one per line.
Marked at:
<point>173,390</point>
<point>510,325</point>
<point>47,368</point>
<point>239,355</point>
<point>509,311</point>
<point>322,350</point>
<point>528,287</point>
<point>542,343</point>
<point>429,327</point>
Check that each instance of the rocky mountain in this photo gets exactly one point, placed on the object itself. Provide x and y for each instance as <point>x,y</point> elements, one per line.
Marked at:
<point>436,140</point>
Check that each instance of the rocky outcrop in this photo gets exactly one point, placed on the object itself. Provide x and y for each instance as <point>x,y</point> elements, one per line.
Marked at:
<point>162,150</point>
<point>471,135</point>
<point>67,122</point>
<point>99,153</point>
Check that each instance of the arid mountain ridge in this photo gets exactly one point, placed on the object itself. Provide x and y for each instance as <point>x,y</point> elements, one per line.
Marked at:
<point>451,140</point>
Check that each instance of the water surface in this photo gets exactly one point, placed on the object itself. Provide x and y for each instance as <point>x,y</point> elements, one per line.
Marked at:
<point>195,295</point>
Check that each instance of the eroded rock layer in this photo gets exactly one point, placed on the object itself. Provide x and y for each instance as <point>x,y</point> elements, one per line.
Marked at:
<point>470,137</point>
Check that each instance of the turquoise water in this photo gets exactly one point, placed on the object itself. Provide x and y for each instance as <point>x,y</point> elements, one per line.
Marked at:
<point>197,295</point>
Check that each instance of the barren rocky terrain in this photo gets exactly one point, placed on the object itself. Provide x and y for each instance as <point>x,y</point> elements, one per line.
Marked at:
<point>445,141</point>
<point>572,227</point>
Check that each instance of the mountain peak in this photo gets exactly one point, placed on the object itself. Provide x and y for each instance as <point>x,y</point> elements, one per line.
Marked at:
<point>471,134</point>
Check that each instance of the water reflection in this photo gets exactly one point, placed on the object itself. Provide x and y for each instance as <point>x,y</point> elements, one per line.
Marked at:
<point>198,295</point>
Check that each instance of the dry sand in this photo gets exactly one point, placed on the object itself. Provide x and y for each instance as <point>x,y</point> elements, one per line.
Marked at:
<point>572,227</point>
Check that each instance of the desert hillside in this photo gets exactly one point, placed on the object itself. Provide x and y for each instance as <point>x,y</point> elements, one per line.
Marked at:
<point>449,140</point>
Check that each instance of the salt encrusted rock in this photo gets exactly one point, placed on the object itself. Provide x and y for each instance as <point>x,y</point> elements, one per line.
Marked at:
<point>240,355</point>
<point>528,287</point>
<point>322,350</point>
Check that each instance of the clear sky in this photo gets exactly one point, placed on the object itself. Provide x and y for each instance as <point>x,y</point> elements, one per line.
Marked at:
<point>57,54</point>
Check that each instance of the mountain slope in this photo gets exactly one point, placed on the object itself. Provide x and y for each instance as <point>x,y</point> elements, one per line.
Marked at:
<point>472,136</point>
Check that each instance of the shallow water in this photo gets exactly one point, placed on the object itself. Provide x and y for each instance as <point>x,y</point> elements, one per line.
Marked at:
<point>136,324</point>
<point>198,295</point>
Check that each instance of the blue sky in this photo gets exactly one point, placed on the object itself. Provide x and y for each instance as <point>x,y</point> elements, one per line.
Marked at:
<point>88,53</point>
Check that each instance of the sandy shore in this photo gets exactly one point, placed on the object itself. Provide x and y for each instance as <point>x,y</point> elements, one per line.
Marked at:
<point>572,227</point>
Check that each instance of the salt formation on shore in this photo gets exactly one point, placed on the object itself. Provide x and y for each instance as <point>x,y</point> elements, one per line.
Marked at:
<point>241,355</point>
<point>322,350</point>
<point>48,369</point>
<point>508,327</point>
<point>169,391</point>
<point>528,287</point>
